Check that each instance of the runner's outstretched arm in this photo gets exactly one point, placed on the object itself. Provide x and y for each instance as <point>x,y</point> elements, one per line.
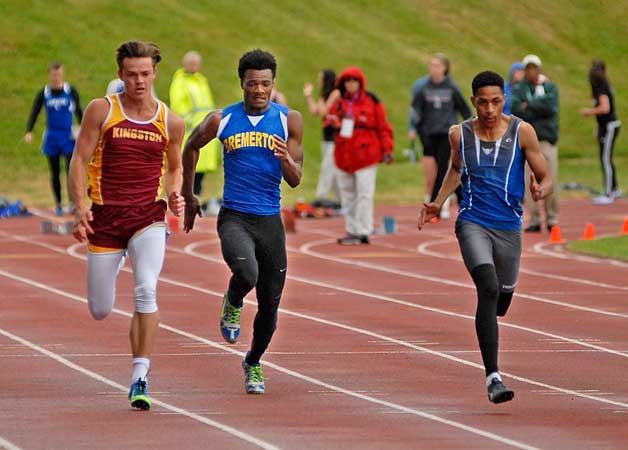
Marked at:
<point>200,136</point>
<point>86,143</point>
<point>452,180</point>
<point>540,181</point>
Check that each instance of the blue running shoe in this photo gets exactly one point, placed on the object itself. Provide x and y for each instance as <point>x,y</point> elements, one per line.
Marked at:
<point>498,393</point>
<point>253,378</point>
<point>58,211</point>
<point>138,395</point>
<point>230,321</point>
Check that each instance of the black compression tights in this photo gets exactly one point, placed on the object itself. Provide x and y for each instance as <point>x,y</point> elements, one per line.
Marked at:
<point>55,175</point>
<point>487,284</point>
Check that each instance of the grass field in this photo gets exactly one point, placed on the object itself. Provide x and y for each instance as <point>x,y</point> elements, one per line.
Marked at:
<point>390,40</point>
<point>611,247</point>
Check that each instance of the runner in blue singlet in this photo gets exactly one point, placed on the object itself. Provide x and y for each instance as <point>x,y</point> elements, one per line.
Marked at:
<point>261,145</point>
<point>488,155</point>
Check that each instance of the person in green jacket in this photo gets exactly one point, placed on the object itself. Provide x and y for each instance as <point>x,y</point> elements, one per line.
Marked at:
<point>535,100</point>
<point>191,98</point>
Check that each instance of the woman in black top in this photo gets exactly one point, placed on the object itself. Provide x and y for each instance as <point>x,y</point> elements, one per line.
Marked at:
<point>607,128</point>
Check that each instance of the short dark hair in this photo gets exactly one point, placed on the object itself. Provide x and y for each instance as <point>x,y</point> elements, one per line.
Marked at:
<point>597,74</point>
<point>486,78</point>
<point>257,60</point>
<point>137,49</point>
<point>54,65</point>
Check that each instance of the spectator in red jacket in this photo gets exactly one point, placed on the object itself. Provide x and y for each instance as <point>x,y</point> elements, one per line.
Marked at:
<point>364,139</point>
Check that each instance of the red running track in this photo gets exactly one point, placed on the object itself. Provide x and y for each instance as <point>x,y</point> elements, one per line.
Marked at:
<point>375,347</point>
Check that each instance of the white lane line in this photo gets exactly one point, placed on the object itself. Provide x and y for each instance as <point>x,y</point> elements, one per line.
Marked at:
<point>6,445</point>
<point>212,423</point>
<point>292,373</point>
<point>540,249</point>
<point>307,250</point>
<point>424,249</point>
<point>72,251</point>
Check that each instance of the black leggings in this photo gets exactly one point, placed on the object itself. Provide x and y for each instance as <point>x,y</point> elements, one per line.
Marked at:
<point>442,153</point>
<point>55,175</point>
<point>606,138</point>
<point>254,247</point>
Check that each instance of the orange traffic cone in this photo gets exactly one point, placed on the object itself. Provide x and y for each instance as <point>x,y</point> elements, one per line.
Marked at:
<point>556,235</point>
<point>589,232</point>
<point>173,224</point>
<point>624,229</point>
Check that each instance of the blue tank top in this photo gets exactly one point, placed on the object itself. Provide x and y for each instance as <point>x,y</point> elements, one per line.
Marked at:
<point>252,172</point>
<point>59,109</point>
<point>492,179</point>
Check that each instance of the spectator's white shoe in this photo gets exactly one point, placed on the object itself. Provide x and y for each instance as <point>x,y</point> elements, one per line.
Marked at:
<point>617,193</point>
<point>603,200</point>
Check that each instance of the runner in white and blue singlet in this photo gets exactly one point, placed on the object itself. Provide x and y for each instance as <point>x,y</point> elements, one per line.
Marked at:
<point>488,155</point>
<point>261,145</point>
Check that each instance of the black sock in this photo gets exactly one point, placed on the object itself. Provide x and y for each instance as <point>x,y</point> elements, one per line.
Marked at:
<point>487,284</point>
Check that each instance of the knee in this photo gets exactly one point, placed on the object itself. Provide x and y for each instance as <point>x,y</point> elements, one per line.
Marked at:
<point>145,299</point>
<point>99,310</point>
<point>246,272</point>
<point>486,282</point>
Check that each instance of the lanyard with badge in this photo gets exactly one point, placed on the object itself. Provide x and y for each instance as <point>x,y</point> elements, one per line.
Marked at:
<point>348,123</point>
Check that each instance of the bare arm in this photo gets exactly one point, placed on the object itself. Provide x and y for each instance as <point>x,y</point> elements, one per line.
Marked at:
<point>86,143</point>
<point>176,130</point>
<point>290,152</point>
<point>200,136</point>
<point>540,181</point>
<point>603,108</point>
<point>452,180</point>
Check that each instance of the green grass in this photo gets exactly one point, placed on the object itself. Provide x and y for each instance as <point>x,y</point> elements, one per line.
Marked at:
<point>610,247</point>
<point>390,40</point>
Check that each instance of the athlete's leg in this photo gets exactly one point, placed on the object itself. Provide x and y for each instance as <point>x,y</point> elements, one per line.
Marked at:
<point>238,251</point>
<point>198,183</point>
<point>146,250</point>
<point>429,167</point>
<point>271,256</point>
<point>348,197</point>
<point>55,180</point>
<point>477,252</point>
<point>102,270</point>
<point>365,188</point>
<point>507,257</point>
<point>442,153</point>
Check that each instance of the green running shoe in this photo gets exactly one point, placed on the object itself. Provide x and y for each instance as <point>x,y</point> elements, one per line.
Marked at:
<point>138,395</point>
<point>253,378</point>
<point>230,321</point>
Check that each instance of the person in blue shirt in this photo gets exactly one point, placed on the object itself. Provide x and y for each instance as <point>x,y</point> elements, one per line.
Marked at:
<point>262,144</point>
<point>515,75</point>
<point>488,155</point>
<point>61,101</point>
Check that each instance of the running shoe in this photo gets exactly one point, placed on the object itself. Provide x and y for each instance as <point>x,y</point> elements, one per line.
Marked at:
<point>498,393</point>
<point>230,321</point>
<point>350,239</point>
<point>603,200</point>
<point>58,211</point>
<point>138,395</point>
<point>616,193</point>
<point>253,378</point>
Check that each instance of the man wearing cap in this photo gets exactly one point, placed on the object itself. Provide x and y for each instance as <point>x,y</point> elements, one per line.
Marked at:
<point>535,100</point>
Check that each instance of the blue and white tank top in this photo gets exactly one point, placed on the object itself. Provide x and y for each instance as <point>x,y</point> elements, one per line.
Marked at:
<point>59,109</point>
<point>252,172</point>
<point>492,179</point>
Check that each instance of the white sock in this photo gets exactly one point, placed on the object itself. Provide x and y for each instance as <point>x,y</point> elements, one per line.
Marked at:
<point>140,369</point>
<point>427,198</point>
<point>490,377</point>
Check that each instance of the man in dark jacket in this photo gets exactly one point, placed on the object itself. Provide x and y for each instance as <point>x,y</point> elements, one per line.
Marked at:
<point>364,139</point>
<point>535,100</point>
